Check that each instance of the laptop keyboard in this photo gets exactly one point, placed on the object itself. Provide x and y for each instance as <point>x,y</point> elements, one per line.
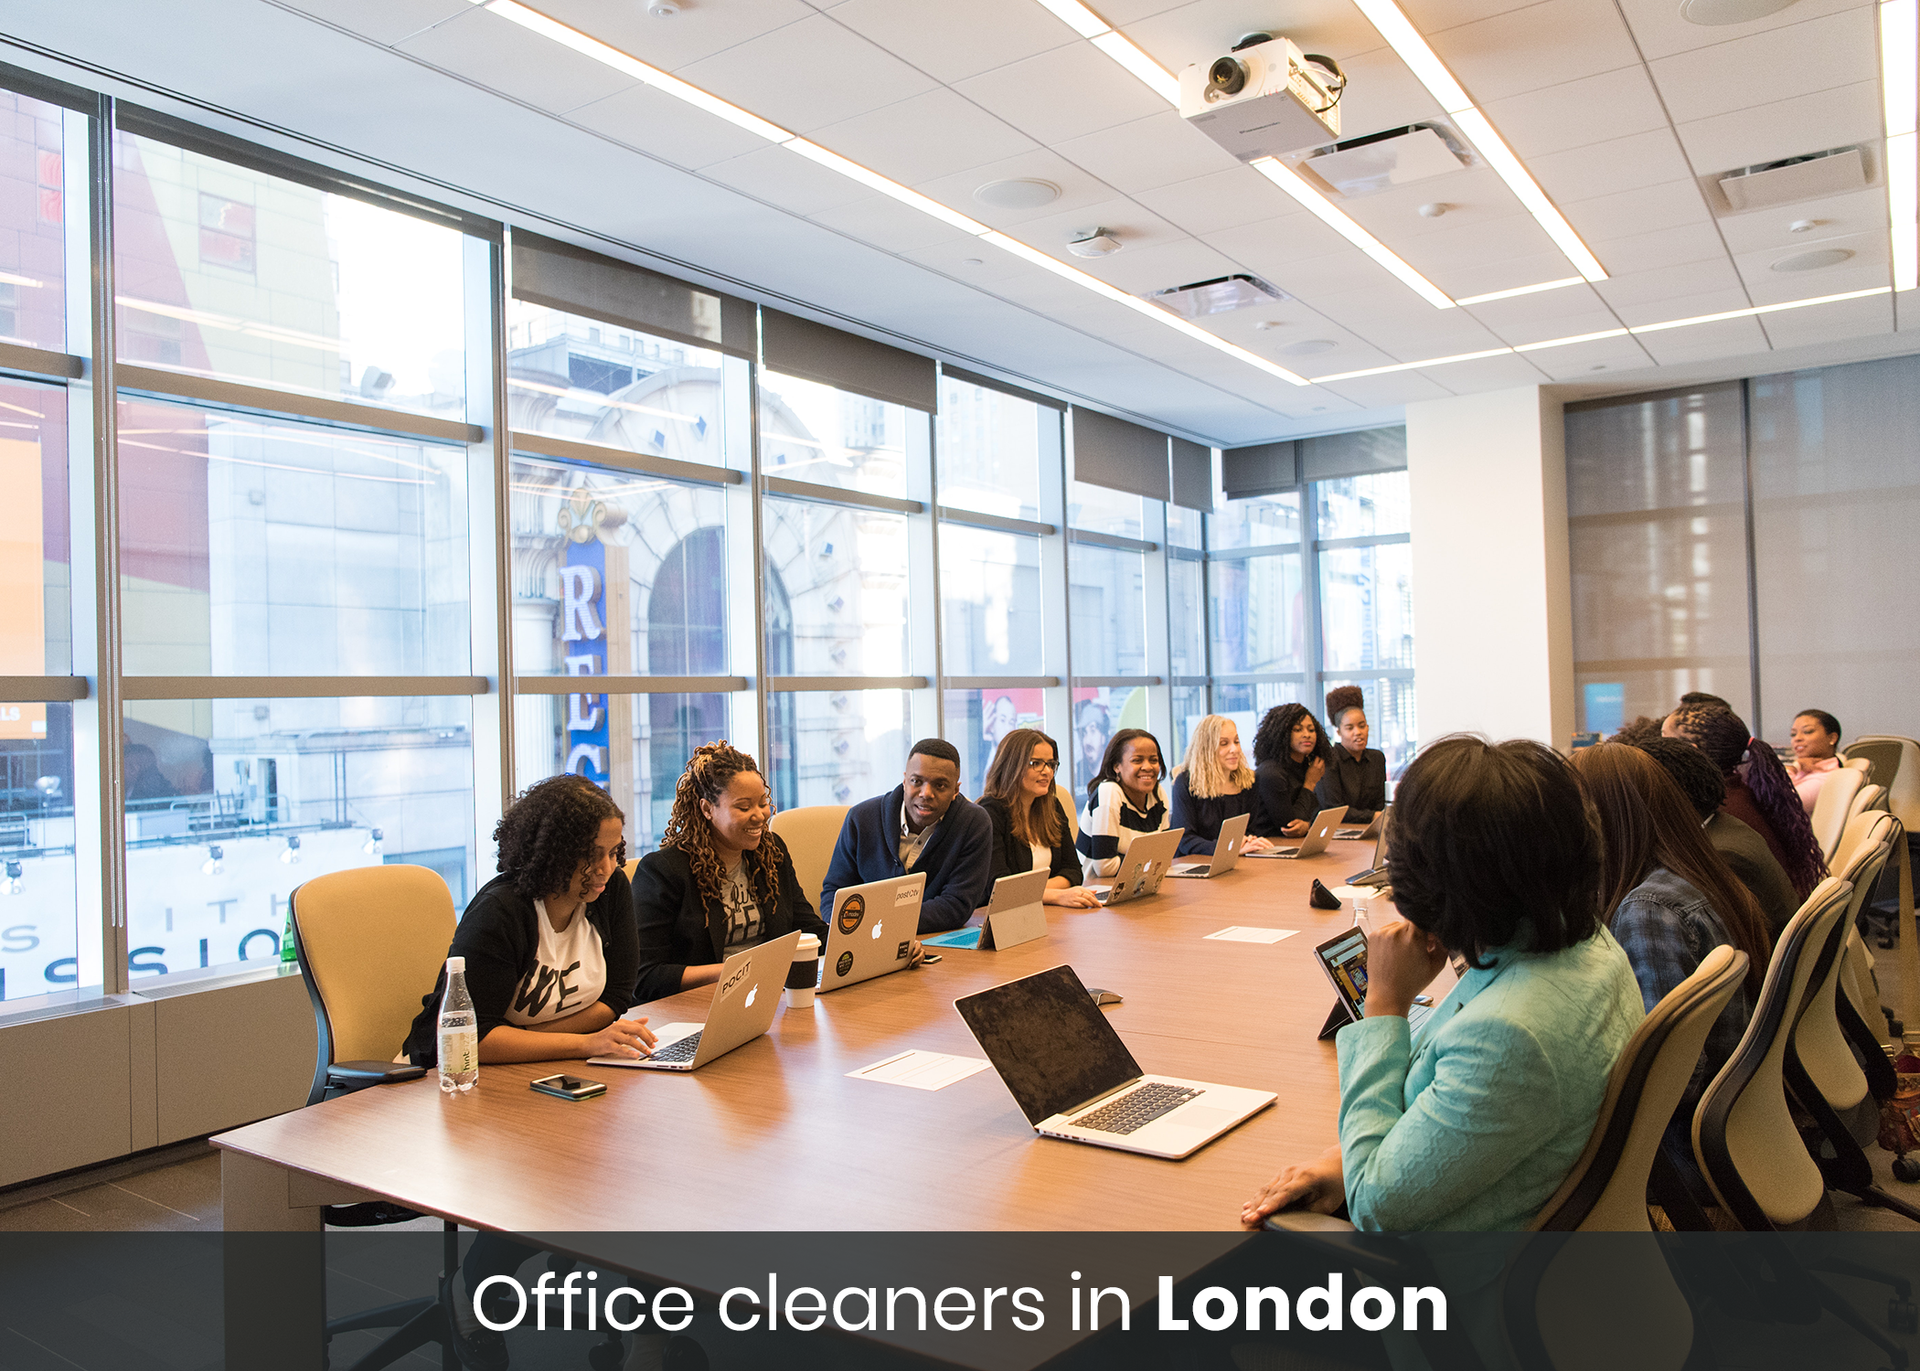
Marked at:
<point>1137,1108</point>
<point>676,1052</point>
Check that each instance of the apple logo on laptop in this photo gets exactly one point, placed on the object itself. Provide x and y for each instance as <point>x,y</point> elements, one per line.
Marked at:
<point>876,930</point>
<point>750,996</point>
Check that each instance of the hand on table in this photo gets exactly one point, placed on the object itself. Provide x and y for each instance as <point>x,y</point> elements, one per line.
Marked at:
<point>621,1038</point>
<point>1319,1185</point>
<point>1401,962</point>
<point>1071,897</point>
<point>1295,829</point>
<point>1257,845</point>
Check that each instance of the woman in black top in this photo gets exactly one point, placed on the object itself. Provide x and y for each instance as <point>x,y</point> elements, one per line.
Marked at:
<point>1215,784</point>
<point>1289,758</point>
<point>1029,826</point>
<point>1356,774</point>
<point>549,943</point>
<point>721,881</point>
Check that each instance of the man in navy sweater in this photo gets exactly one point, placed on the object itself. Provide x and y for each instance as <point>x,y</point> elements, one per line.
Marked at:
<point>923,824</point>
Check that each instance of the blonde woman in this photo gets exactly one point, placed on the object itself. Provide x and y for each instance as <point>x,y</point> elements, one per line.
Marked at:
<point>1030,829</point>
<point>1215,785</point>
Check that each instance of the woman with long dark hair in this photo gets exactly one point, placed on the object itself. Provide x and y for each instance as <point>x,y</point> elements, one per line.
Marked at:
<point>1124,799</point>
<point>1289,758</point>
<point>1030,828</point>
<point>722,879</point>
<point>1759,792</point>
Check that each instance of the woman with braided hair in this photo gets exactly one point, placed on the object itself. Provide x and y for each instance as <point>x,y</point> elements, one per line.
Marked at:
<point>721,881</point>
<point>1759,792</point>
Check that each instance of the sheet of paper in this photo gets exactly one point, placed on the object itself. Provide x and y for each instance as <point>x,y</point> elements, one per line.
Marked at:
<point>1237,934</point>
<point>921,1070</point>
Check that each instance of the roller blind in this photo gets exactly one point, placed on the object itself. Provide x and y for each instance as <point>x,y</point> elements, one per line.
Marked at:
<point>1113,453</point>
<point>1353,454</point>
<point>1264,469</point>
<point>564,277</point>
<point>1192,475</point>
<point>815,352</point>
<point>1030,396</point>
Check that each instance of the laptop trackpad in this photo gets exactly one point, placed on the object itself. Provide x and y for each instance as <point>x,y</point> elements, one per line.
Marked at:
<point>1202,1119</point>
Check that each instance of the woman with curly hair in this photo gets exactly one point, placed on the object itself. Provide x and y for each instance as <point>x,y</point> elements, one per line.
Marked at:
<point>721,881</point>
<point>1289,758</point>
<point>1759,792</point>
<point>1215,784</point>
<point>549,942</point>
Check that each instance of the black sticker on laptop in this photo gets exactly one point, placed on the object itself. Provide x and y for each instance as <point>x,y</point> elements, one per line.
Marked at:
<point>901,955</point>
<point>844,965</point>
<point>852,914</point>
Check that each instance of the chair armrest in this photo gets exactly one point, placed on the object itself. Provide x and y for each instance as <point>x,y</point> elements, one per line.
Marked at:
<point>359,1075</point>
<point>1306,1221</point>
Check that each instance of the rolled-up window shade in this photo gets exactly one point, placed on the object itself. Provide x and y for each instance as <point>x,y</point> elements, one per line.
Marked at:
<point>564,277</point>
<point>1192,475</point>
<point>1353,454</point>
<point>1264,469</point>
<point>1113,453</point>
<point>814,352</point>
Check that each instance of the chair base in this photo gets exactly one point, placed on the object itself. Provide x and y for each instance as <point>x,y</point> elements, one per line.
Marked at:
<point>415,1323</point>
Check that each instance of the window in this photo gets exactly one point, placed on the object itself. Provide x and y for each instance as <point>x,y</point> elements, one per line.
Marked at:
<point>827,437</point>
<point>993,613</point>
<point>837,747</point>
<point>33,215</point>
<point>993,448</point>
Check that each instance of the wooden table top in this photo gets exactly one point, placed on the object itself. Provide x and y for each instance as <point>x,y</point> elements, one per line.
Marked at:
<point>776,1136</point>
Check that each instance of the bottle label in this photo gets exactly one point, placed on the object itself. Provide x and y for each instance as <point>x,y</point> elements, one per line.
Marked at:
<point>459,1051</point>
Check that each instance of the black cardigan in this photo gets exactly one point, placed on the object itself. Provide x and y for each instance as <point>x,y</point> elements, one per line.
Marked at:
<point>679,929</point>
<point>1202,818</point>
<point>1011,856</point>
<point>499,935</point>
<point>1279,799</point>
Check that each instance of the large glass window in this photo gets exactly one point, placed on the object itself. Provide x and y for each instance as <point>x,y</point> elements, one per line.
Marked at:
<point>836,590</point>
<point>33,218</point>
<point>836,747</point>
<point>992,615</point>
<point>234,274</point>
<point>1107,611</point>
<point>1099,510</point>
<point>993,449</point>
<point>1258,614</point>
<point>827,437</point>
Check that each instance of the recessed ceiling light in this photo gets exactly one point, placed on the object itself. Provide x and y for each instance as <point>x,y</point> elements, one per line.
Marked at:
<point>1020,193</point>
<point>1804,225</point>
<point>1813,261</point>
<point>1310,347</point>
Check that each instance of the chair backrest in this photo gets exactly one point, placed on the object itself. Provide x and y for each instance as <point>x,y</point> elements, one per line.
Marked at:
<point>1864,765</point>
<point>1562,1301</point>
<point>1607,1189</point>
<point>810,833</point>
<point>1868,797</point>
<point>372,941</point>
<point>1832,806</point>
<point>1856,832</point>
<point>1743,1132</point>
<point>1065,797</point>
<point>1818,1040</point>
<point>1896,765</point>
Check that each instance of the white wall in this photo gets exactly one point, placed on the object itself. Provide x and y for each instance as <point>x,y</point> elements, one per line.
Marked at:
<point>1491,604</point>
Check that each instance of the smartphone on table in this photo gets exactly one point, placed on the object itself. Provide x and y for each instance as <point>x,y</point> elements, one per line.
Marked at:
<point>569,1087</point>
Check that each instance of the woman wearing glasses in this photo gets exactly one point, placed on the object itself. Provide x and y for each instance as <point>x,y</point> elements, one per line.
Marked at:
<point>1030,829</point>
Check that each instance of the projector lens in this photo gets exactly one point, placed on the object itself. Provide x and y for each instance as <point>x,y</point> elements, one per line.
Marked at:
<point>1228,76</point>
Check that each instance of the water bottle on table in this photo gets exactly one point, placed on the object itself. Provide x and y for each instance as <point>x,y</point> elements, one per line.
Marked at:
<point>459,1032</point>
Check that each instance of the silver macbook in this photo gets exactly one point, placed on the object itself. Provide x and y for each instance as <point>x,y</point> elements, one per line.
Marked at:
<point>1144,865</point>
<point>1073,1078</point>
<point>1226,851</point>
<point>872,930</point>
<point>1316,840</point>
<point>744,1000</point>
<point>1375,875</point>
<point>1372,830</point>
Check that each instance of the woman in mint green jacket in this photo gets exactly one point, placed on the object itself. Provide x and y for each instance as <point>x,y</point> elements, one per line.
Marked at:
<point>1474,1121</point>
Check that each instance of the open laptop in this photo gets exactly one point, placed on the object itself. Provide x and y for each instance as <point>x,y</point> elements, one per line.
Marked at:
<point>1375,875</point>
<point>744,999</point>
<point>1016,914</point>
<point>1344,958</point>
<point>1372,830</point>
<point>1226,851</point>
<point>1144,865</point>
<point>1317,835</point>
<point>1073,1078</point>
<point>872,930</point>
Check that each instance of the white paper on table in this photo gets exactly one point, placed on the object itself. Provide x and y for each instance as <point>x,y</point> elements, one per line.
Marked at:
<point>1237,934</point>
<point>921,1070</point>
<point>1356,892</point>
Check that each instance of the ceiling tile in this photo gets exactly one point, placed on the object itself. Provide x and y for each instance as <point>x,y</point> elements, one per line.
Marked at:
<point>1797,59</point>
<point>1225,200</point>
<point>802,77</point>
<point>786,180</point>
<point>951,42</point>
<point>894,227</point>
<point>1906,311</point>
<point>1077,187</point>
<point>1570,323</point>
<point>1132,225</point>
<point>1062,94</point>
<point>969,262</point>
<point>661,126</point>
<point>1148,268</point>
<point>1593,109</point>
<point>1528,270</point>
<point>498,55</point>
<point>1647,209</point>
<point>1857,212</point>
<point>1629,258</point>
<point>1440,257</point>
<point>1546,44</point>
<point>1432,16</point>
<point>1728,338</point>
<point>1474,198</point>
<point>1299,254</point>
<point>1867,269</point>
<point>1395,388</point>
<point>1785,128</point>
<point>924,137</point>
<point>697,31</point>
<point>1156,151</point>
<point>1201,30</point>
<point>1660,31</point>
<point>1583,361</point>
<point>1639,159</point>
<point>384,21</point>
<point>1829,323</point>
<point>1382,93</point>
<point>1686,298</point>
<point>1488,373</point>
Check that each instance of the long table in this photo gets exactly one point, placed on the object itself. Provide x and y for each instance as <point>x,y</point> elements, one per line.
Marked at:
<point>775,1135</point>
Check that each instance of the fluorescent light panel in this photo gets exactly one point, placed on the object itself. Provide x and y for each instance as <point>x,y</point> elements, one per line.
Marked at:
<point>1900,88</point>
<point>1425,64</point>
<point>1330,215</point>
<point>1520,290</point>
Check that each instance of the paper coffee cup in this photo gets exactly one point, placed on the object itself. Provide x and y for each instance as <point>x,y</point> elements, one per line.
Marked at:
<point>804,976</point>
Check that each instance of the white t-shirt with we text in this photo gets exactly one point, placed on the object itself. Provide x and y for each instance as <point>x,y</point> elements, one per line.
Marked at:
<point>569,972</point>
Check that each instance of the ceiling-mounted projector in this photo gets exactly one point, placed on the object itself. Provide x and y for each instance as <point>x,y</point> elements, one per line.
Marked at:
<point>1264,98</point>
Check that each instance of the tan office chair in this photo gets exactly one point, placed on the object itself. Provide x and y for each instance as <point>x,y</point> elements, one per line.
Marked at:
<point>1863,765</point>
<point>810,833</point>
<point>1065,797</point>
<point>1743,1131</point>
<point>1831,808</point>
<point>1896,765</point>
<point>1868,797</point>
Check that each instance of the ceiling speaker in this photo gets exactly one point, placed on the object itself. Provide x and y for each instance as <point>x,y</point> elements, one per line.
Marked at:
<point>1716,12</point>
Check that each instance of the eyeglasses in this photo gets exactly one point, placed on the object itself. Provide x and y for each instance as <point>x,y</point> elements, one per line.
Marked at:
<point>1041,764</point>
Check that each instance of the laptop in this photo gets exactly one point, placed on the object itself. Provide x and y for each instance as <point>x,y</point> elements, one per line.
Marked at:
<point>744,999</point>
<point>1144,866</point>
<point>1073,1078</point>
<point>1226,851</point>
<point>1317,835</point>
<point>1375,875</point>
<point>1372,830</point>
<point>1016,914</point>
<point>872,930</point>
<point>1344,958</point>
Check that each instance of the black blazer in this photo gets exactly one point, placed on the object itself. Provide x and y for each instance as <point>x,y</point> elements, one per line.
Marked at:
<point>679,929</point>
<point>1011,856</point>
<point>1279,799</point>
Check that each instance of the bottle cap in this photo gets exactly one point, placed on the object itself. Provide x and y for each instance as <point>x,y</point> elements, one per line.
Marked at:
<point>456,966</point>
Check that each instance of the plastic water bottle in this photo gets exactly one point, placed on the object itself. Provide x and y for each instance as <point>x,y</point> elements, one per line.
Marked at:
<point>459,1032</point>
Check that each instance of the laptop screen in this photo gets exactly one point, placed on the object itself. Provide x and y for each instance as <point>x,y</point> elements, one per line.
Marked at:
<point>1049,1041</point>
<point>1345,958</point>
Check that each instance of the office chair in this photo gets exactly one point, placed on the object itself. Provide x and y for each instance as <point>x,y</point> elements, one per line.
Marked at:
<point>810,833</point>
<point>1863,765</point>
<point>370,940</point>
<point>1743,1131</point>
<point>1831,808</point>
<point>1868,797</point>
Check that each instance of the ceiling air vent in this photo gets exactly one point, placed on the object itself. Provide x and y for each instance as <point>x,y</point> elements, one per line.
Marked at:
<point>1218,296</point>
<point>1812,177</point>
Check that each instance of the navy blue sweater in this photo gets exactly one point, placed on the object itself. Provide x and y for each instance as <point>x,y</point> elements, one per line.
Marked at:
<point>958,860</point>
